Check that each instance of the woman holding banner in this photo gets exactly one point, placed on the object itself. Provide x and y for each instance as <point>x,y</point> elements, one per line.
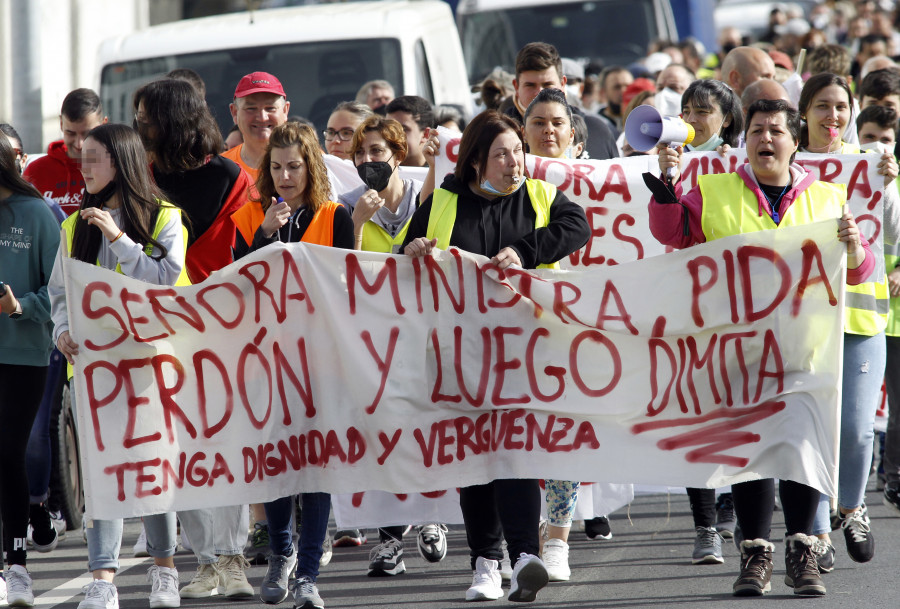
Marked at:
<point>123,225</point>
<point>825,104</point>
<point>26,260</point>
<point>293,196</point>
<point>768,193</point>
<point>483,208</point>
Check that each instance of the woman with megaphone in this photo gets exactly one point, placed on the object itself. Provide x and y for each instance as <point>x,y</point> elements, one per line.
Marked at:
<point>768,193</point>
<point>714,112</point>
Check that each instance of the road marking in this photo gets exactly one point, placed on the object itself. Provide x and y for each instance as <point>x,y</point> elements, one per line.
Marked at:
<point>73,587</point>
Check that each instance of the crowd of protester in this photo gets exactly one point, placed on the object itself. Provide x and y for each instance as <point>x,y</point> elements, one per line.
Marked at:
<point>170,199</point>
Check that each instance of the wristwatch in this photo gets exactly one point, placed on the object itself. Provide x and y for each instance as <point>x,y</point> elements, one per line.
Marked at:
<point>18,312</point>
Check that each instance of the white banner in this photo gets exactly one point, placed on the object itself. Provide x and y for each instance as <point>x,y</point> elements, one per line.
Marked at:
<point>616,199</point>
<point>303,368</point>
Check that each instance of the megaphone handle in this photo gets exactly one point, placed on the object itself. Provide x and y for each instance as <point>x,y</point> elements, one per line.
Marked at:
<point>670,172</point>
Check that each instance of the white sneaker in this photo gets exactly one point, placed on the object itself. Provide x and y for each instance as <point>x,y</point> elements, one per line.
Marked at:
<point>100,594</point>
<point>556,560</point>
<point>204,584</point>
<point>486,582</point>
<point>139,550</point>
<point>18,587</point>
<point>163,587</point>
<point>529,576</point>
<point>233,577</point>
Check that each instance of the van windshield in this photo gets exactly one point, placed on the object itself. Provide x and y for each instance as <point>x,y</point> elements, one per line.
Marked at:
<point>316,75</point>
<point>616,31</point>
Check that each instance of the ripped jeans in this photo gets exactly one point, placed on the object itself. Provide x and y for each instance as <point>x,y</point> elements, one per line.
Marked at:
<point>864,361</point>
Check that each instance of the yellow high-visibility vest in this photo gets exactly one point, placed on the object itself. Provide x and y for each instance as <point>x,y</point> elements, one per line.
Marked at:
<point>443,212</point>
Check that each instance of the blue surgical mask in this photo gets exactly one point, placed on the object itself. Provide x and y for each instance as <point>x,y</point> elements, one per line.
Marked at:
<point>486,187</point>
<point>709,145</point>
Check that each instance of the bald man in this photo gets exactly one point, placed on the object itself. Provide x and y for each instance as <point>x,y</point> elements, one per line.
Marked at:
<point>764,88</point>
<point>745,65</point>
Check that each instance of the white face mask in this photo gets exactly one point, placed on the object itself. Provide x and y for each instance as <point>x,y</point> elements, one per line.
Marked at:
<point>879,147</point>
<point>668,102</point>
<point>573,93</point>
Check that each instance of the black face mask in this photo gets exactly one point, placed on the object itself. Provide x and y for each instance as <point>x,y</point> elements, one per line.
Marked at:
<point>99,198</point>
<point>375,174</point>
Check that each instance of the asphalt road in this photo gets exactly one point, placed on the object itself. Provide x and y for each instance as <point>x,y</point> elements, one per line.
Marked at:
<point>645,564</point>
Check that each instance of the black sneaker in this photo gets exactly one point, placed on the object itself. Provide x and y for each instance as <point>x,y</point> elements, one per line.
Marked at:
<point>892,497</point>
<point>257,553</point>
<point>43,533</point>
<point>597,528</point>
<point>858,535</point>
<point>802,569</point>
<point>725,519</point>
<point>756,568</point>
<point>824,552</point>
<point>386,559</point>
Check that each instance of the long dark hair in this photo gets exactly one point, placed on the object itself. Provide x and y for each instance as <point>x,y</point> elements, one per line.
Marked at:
<point>705,93</point>
<point>815,84</point>
<point>139,197</point>
<point>9,172</point>
<point>176,127</point>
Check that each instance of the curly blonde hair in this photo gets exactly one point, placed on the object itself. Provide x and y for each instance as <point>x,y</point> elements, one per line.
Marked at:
<point>302,136</point>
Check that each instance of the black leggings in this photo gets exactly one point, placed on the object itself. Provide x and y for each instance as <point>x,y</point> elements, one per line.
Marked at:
<point>703,506</point>
<point>502,508</point>
<point>754,502</point>
<point>23,387</point>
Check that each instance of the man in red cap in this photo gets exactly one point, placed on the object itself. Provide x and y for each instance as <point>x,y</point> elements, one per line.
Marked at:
<point>259,106</point>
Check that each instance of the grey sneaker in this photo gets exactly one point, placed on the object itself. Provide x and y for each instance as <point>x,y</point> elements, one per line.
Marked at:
<point>306,594</point>
<point>274,588</point>
<point>708,547</point>
<point>802,570</point>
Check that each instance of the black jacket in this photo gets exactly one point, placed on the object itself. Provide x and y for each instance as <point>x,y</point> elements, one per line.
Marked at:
<point>485,226</point>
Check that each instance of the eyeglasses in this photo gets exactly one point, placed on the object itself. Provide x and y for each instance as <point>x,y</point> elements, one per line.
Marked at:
<point>345,134</point>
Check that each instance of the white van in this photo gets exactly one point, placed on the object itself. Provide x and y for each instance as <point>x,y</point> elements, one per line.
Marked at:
<point>614,31</point>
<point>322,54</point>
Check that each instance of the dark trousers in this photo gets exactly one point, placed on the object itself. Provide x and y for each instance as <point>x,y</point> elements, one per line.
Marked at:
<point>754,502</point>
<point>703,506</point>
<point>20,399</point>
<point>502,508</point>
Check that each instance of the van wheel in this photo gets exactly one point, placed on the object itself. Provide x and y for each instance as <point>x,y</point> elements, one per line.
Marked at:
<point>65,476</point>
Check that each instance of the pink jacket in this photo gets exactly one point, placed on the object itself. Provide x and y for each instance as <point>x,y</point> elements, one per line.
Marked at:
<point>666,219</point>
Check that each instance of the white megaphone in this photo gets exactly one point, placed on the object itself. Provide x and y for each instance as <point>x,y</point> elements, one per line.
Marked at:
<point>646,128</point>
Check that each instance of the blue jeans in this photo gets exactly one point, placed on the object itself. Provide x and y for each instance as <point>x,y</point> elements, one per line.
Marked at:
<point>215,532</point>
<point>315,508</point>
<point>38,452</point>
<point>864,361</point>
<point>104,539</point>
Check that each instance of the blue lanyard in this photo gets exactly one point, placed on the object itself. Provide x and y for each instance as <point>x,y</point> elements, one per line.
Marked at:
<point>776,204</point>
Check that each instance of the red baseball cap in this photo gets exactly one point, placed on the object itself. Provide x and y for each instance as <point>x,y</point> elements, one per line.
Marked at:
<point>258,82</point>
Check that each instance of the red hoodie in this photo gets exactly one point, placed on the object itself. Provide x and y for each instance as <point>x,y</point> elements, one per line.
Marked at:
<point>57,176</point>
